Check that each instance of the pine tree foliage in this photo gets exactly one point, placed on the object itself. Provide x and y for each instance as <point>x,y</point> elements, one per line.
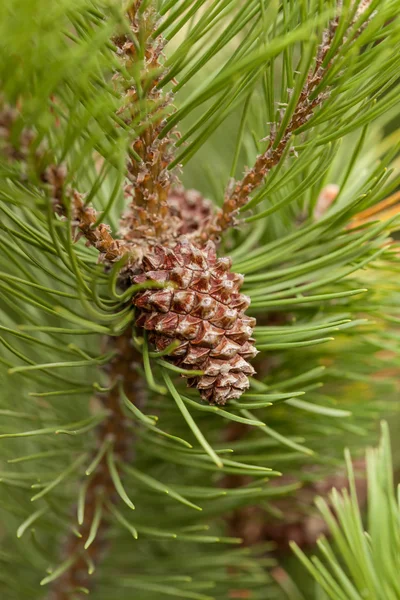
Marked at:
<point>116,478</point>
<point>363,563</point>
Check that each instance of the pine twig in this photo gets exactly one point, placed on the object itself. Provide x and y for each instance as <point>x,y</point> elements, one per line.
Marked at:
<point>83,217</point>
<point>53,177</point>
<point>148,216</point>
<point>238,193</point>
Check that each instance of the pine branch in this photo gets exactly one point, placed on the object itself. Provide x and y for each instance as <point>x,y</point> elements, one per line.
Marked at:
<point>53,177</point>
<point>81,554</point>
<point>83,217</point>
<point>146,106</point>
<point>114,439</point>
<point>310,98</point>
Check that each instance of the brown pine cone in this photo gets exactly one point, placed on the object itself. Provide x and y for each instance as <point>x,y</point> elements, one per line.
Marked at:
<point>191,208</point>
<point>200,307</point>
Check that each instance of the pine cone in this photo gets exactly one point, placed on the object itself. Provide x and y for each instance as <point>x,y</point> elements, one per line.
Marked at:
<point>191,207</point>
<point>202,308</point>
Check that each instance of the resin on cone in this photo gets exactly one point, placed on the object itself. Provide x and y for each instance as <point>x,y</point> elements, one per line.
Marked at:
<point>200,307</point>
